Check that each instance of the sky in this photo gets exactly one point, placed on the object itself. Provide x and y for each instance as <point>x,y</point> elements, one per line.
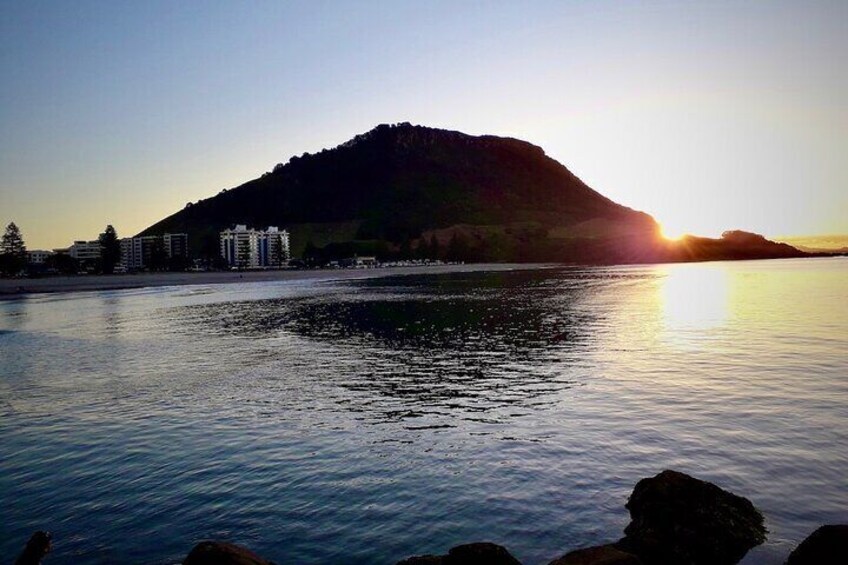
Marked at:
<point>707,115</point>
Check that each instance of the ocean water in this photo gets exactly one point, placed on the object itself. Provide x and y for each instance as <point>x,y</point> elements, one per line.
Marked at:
<point>366,421</point>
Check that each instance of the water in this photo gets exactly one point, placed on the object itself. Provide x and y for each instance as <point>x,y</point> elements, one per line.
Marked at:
<point>366,421</point>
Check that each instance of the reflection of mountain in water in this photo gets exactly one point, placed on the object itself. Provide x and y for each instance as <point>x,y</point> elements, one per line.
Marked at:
<point>472,342</point>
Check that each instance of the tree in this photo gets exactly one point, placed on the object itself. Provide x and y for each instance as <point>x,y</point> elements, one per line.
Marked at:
<point>158,256</point>
<point>405,251</point>
<point>218,264</point>
<point>310,251</point>
<point>457,249</point>
<point>110,250</point>
<point>423,250</point>
<point>13,257</point>
<point>278,256</point>
<point>62,263</point>
<point>178,263</point>
<point>434,247</point>
<point>243,253</point>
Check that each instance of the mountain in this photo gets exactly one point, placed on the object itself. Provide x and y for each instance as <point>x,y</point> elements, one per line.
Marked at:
<point>404,190</point>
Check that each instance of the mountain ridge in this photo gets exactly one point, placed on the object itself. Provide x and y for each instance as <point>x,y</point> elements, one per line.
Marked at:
<point>406,189</point>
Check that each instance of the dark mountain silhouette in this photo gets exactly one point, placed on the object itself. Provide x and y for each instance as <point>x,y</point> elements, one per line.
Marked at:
<point>404,190</point>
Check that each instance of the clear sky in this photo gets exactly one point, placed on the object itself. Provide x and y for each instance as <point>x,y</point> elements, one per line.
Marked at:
<point>707,115</point>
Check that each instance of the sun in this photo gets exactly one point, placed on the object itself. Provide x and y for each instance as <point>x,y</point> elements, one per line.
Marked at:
<point>671,234</point>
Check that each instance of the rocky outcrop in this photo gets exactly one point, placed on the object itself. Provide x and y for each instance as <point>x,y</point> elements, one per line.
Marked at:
<point>222,553</point>
<point>679,519</point>
<point>675,520</point>
<point>36,548</point>
<point>482,553</point>
<point>828,545</point>
<point>599,555</point>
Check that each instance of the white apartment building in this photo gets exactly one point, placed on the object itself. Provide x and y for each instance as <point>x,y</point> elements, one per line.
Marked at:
<point>250,248</point>
<point>131,254</point>
<point>278,248</point>
<point>82,250</point>
<point>136,252</point>
<point>38,256</point>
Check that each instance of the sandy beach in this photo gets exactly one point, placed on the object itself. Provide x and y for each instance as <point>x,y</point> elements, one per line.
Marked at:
<point>21,288</point>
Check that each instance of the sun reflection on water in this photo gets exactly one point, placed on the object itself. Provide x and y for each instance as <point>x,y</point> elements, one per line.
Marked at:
<point>693,301</point>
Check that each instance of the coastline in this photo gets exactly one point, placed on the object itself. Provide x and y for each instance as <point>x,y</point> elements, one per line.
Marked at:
<point>13,289</point>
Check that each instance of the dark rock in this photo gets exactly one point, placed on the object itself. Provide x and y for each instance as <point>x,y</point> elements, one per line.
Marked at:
<point>599,555</point>
<point>678,519</point>
<point>222,553</point>
<point>826,546</point>
<point>36,548</point>
<point>481,553</point>
<point>423,560</point>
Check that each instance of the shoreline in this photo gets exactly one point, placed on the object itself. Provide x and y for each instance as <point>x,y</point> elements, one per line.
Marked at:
<point>18,289</point>
<point>15,289</point>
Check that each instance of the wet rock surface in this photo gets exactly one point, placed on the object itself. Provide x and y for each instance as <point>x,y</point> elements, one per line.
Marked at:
<point>481,553</point>
<point>222,553</point>
<point>599,555</point>
<point>39,545</point>
<point>423,560</point>
<point>678,519</point>
<point>828,545</point>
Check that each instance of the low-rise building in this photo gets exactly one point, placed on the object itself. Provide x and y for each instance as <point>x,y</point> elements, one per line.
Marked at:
<point>82,250</point>
<point>38,256</point>
<point>357,262</point>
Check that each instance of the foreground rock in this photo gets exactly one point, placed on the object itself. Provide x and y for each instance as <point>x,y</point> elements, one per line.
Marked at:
<point>600,555</point>
<point>681,520</point>
<point>222,553</point>
<point>36,548</point>
<point>482,553</point>
<point>826,546</point>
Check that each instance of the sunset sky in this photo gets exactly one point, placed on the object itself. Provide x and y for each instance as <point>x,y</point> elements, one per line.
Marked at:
<point>707,115</point>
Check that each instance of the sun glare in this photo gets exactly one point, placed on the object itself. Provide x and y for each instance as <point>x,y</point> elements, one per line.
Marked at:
<point>670,233</point>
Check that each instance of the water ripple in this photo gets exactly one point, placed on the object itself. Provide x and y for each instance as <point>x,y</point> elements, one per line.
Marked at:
<point>369,420</point>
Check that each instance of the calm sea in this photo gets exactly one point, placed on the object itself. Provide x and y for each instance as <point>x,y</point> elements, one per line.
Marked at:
<point>365,421</point>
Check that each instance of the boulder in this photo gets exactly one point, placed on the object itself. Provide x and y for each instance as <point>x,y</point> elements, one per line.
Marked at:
<point>423,560</point>
<point>826,546</point>
<point>37,547</point>
<point>481,553</point>
<point>222,553</point>
<point>678,519</point>
<point>599,555</point>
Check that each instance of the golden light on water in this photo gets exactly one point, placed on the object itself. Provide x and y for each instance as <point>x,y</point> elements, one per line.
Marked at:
<point>693,300</point>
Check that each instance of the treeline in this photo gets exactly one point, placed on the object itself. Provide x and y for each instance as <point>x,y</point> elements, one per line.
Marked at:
<point>15,261</point>
<point>523,245</point>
